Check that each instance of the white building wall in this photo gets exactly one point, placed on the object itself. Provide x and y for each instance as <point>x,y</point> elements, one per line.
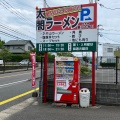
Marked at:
<point>108,52</point>
<point>28,45</point>
<point>16,49</point>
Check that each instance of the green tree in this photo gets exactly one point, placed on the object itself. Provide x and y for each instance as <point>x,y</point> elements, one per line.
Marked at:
<point>5,55</point>
<point>85,58</point>
<point>51,57</point>
<point>1,43</point>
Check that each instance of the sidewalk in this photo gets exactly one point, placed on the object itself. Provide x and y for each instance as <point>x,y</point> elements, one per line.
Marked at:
<point>32,110</point>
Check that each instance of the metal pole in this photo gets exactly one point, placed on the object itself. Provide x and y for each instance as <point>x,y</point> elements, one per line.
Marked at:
<point>45,78</point>
<point>45,70</point>
<point>93,79</point>
<point>116,70</point>
<point>44,3</point>
<point>91,1</point>
<point>97,45</point>
<point>41,83</point>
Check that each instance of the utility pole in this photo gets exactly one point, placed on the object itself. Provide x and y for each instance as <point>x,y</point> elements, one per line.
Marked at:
<point>44,3</point>
<point>97,45</point>
<point>45,70</point>
<point>91,1</point>
<point>98,28</point>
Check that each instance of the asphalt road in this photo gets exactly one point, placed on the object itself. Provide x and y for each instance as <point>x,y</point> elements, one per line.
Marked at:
<point>17,76</point>
<point>14,84</point>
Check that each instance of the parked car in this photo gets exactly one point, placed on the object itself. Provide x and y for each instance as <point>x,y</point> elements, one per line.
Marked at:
<point>89,65</point>
<point>25,62</point>
<point>1,62</point>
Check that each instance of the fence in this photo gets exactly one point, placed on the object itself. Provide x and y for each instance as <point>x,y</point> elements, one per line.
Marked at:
<point>107,92</point>
<point>109,71</point>
<point>102,74</point>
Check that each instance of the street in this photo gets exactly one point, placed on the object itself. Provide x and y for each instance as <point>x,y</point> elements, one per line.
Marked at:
<point>16,84</point>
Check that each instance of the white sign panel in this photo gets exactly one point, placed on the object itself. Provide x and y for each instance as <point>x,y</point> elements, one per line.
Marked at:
<point>89,35</point>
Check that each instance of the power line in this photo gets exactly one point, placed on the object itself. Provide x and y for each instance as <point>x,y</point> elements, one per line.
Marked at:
<point>110,33</point>
<point>28,7</point>
<point>14,31</point>
<point>8,7</point>
<point>110,39</point>
<point>10,35</point>
<point>105,39</point>
<point>46,3</point>
<point>101,5</point>
<point>18,12</point>
<point>112,30</point>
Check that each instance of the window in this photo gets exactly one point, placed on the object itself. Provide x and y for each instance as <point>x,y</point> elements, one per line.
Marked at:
<point>109,49</point>
<point>29,48</point>
<point>15,47</point>
<point>8,47</point>
<point>110,60</point>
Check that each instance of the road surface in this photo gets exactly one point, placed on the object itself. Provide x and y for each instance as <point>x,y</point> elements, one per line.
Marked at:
<point>15,87</point>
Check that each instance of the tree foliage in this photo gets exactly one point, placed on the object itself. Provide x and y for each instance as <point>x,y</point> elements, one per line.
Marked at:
<point>85,58</point>
<point>5,55</point>
<point>1,43</point>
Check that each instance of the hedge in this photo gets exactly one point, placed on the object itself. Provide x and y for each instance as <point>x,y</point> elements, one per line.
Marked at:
<point>20,57</point>
<point>108,64</point>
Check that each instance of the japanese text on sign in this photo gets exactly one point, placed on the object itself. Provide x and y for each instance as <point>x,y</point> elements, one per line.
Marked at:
<point>69,24</point>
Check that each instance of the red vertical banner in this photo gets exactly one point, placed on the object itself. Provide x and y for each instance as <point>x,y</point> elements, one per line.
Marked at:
<point>33,61</point>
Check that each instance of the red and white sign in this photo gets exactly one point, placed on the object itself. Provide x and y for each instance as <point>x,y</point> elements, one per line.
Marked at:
<point>76,23</point>
<point>33,60</point>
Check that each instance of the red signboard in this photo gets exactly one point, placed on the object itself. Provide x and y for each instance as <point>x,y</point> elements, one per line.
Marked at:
<point>33,60</point>
<point>56,26</point>
<point>67,17</point>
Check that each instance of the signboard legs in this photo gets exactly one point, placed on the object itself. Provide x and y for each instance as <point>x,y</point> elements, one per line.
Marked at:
<point>41,82</point>
<point>45,78</point>
<point>93,78</point>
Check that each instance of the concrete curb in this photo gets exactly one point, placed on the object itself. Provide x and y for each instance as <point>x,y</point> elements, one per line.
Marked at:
<point>5,114</point>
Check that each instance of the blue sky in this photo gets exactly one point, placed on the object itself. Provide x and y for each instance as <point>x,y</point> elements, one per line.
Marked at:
<point>108,17</point>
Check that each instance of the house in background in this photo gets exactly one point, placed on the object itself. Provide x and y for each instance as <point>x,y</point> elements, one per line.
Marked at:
<point>19,46</point>
<point>108,52</point>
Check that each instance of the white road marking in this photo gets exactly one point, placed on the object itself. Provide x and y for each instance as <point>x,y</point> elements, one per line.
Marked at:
<point>13,83</point>
<point>16,74</point>
<point>5,114</point>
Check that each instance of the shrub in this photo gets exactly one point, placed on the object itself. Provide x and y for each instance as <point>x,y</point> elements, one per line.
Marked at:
<point>84,69</point>
<point>107,64</point>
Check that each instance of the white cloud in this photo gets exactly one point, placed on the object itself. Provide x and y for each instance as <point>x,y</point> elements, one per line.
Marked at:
<point>106,17</point>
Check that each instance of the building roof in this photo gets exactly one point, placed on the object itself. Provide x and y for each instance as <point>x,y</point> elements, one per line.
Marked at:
<point>18,42</point>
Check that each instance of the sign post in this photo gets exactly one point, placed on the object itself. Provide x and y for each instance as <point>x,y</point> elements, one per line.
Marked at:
<point>67,29</point>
